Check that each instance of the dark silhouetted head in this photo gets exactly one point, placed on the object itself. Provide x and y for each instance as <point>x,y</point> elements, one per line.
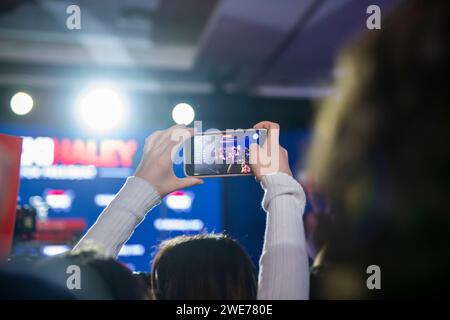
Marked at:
<point>209,266</point>
<point>381,156</point>
<point>100,277</point>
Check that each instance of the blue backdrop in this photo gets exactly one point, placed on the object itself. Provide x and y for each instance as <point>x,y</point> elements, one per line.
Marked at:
<point>231,205</point>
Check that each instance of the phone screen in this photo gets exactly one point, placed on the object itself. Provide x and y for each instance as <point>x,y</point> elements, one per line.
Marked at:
<point>221,153</point>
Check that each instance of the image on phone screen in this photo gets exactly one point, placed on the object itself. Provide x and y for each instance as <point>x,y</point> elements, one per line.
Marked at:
<point>221,153</point>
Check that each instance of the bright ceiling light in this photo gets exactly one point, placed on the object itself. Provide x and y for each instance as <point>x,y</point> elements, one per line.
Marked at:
<point>183,113</point>
<point>21,103</point>
<point>101,108</point>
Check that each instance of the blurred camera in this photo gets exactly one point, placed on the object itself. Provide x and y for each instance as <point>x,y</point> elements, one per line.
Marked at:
<point>25,225</point>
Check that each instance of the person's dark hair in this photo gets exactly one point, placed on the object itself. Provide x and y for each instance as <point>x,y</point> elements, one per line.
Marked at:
<point>207,266</point>
<point>381,155</point>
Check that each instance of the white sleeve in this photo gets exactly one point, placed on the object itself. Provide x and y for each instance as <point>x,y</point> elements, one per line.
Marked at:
<point>284,267</point>
<point>116,223</point>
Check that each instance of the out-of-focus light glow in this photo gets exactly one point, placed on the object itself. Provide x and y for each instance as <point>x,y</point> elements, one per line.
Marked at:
<point>53,250</point>
<point>59,172</point>
<point>21,103</point>
<point>255,136</point>
<point>101,108</point>
<point>179,200</point>
<point>166,224</point>
<point>132,250</point>
<point>37,151</point>
<point>58,199</point>
<point>103,199</point>
<point>183,113</point>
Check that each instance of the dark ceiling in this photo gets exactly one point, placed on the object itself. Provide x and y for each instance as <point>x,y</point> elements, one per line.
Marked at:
<point>263,47</point>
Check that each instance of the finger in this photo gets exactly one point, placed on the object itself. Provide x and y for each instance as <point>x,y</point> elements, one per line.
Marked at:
<point>189,182</point>
<point>273,133</point>
<point>271,146</point>
<point>266,125</point>
<point>253,149</point>
<point>176,127</point>
<point>166,135</point>
<point>179,136</point>
<point>151,139</point>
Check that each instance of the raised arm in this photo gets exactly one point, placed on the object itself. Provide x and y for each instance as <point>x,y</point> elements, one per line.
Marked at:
<point>154,178</point>
<point>284,269</point>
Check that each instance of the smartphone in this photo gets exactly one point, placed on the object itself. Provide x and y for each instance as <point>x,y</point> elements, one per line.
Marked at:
<point>221,153</point>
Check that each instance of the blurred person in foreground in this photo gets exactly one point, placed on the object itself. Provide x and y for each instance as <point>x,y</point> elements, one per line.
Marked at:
<point>212,266</point>
<point>100,276</point>
<point>381,156</point>
<point>87,275</point>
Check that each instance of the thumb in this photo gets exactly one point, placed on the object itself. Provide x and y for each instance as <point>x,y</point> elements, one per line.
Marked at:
<point>253,153</point>
<point>189,182</point>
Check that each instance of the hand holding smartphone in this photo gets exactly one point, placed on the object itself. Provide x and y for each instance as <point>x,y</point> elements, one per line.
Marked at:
<point>221,153</point>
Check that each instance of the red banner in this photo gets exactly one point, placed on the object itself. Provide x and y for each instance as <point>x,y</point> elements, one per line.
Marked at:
<point>10,152</point>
